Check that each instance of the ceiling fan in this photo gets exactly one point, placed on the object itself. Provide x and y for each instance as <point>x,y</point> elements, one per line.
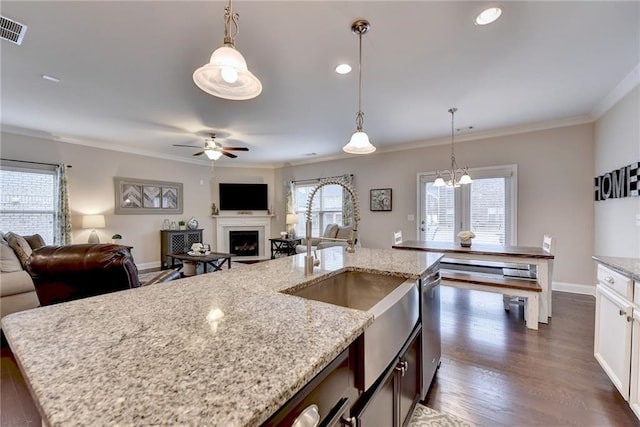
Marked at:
<point>213,149</point>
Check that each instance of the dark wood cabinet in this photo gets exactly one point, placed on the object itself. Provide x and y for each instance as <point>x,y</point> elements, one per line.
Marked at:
<point>327,397</point>
<point>391,400</point>
<point>176,242</point>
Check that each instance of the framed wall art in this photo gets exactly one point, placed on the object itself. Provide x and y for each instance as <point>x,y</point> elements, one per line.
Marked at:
<point>380,199</point>
<point>143,196</point>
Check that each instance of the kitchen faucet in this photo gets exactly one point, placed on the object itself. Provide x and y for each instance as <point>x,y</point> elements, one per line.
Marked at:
<point>311,261</point>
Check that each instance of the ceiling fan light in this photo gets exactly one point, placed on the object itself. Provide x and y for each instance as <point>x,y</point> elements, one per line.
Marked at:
<point>213,154</point>
<point>227,76</point>
<point>359,144</point>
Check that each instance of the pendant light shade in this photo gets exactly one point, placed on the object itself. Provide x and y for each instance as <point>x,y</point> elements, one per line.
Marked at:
<point>226,75</point>
<point>359,143</point>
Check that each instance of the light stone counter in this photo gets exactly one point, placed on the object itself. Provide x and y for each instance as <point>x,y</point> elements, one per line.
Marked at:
<point>629,267</point>
<point>221,349</point>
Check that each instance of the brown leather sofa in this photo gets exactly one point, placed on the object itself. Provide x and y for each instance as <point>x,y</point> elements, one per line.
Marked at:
<point>65,273</point>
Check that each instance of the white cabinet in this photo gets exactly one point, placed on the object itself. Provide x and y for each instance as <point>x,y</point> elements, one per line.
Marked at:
<point>612,343</point>
<point>634,398</point>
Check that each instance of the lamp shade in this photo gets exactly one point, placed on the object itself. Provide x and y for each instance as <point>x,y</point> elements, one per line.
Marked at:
<point>359,144</point>
<point>93,221</point>
<point>227,76</point>
<point>291,219</point>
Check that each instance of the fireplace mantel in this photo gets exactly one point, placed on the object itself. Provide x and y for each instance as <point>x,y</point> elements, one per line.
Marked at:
<point>259,222</point>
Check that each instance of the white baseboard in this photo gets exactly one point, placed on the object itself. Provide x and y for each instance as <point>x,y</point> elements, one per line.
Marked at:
<point>148,265</point>
<point>574,288</point>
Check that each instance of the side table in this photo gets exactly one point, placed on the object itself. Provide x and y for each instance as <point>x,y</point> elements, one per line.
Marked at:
<point>284,247</point>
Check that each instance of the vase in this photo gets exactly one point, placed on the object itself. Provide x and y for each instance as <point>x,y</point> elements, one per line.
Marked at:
<point>465,243</point>
<point>192,223</point>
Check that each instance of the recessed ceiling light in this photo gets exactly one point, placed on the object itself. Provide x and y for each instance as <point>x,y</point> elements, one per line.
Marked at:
<point>488,16</point>
<point>343,69</point>
<point>51,78</point>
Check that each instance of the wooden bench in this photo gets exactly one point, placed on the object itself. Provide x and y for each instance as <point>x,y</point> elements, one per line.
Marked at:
<point>528,289</point>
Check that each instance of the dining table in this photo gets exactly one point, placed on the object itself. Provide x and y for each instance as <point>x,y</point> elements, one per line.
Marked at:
<point>530,255</point>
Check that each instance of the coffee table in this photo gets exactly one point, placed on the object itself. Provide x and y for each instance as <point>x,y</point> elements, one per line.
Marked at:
<point>214,259</point>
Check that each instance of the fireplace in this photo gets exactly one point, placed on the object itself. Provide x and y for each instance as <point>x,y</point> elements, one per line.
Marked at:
<point>254,223</point>
<point>244,243</point>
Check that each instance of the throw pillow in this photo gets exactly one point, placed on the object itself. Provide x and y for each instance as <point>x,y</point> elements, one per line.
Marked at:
<point>20,247</point>
<point>35,241</point>
<point>330,231</point>
<point>9,261</point>
<point>344,232</point>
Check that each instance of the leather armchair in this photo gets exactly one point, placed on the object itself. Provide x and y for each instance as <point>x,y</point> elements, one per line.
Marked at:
<point>65,273</point>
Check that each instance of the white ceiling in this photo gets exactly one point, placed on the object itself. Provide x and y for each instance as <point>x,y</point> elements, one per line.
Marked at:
<point>126,72</point>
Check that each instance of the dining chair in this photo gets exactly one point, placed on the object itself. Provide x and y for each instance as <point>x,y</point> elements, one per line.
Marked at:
<point>549,246</point>
<point>397,237</point>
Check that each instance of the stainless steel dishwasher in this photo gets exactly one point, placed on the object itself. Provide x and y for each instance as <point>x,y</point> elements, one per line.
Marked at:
<point>430,315</point>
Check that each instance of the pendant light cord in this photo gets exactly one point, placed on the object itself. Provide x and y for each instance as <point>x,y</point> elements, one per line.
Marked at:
<point>230,17</point>
<point>360,115</point>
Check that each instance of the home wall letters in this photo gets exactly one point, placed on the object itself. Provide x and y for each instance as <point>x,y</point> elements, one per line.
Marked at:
<point>618,183</point>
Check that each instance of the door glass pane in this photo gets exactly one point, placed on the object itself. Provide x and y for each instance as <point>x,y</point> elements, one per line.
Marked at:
<point>488,210</point>
<point>439,213</point>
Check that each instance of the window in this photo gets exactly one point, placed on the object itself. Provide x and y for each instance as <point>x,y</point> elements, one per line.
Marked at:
<point>27,201</point>
<point>487,207</point>
<point>326,209</point>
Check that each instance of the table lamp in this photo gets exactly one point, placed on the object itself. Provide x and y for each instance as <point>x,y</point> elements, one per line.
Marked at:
<point>291,220</point>
<point>93,222</point>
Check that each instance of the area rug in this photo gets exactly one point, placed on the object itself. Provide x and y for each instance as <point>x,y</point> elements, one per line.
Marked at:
<point>427,417</point>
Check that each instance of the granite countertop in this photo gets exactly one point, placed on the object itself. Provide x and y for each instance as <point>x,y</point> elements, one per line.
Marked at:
<point>226,348</point>
<point>627,266</point>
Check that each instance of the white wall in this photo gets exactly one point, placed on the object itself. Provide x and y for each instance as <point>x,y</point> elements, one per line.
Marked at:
<point>617,144</point>
<point>554,189</point>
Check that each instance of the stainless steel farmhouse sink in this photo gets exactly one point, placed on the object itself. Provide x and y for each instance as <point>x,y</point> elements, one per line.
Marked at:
<point>393,301</point>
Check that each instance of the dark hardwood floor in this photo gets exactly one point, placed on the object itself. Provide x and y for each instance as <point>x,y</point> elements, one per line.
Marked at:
<point>494,372</point>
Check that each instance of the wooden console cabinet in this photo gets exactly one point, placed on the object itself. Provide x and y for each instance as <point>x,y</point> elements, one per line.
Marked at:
<point>176,242</point>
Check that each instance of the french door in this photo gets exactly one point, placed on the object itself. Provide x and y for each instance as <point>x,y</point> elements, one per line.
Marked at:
<point>487,207</point>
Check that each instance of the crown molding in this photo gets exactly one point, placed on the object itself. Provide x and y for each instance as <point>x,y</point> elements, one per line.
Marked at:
<point>620,91</point>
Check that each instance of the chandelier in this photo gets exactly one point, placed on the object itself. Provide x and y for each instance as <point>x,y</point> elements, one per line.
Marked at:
<point>226,75</point>
<point>359,143</point>
<point>456,175</point>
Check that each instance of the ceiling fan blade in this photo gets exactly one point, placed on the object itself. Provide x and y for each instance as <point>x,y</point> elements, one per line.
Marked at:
<point>235,148</point>
<point>184,145</point>
<point>199,153</point>
<point>233,156</point>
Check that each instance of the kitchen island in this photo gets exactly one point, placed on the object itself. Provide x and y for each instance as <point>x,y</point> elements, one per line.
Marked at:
<point>227,348</point>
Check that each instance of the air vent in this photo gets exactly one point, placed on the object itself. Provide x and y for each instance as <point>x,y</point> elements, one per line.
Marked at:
<point>11,30</point>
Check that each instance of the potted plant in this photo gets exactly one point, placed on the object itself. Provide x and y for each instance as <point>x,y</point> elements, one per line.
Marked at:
<point>116,239</point>
<point>465,238</point>
<point>182,225</point>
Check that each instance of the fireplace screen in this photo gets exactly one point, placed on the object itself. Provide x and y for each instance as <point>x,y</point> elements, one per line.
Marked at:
<point>244,243</point>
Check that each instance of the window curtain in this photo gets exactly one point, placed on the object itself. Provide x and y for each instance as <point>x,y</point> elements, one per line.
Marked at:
<point>348,209</point>
<point>62,218</point>
<point>291,203</point>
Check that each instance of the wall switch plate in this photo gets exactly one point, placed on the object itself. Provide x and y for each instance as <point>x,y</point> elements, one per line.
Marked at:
<point>411,217</point>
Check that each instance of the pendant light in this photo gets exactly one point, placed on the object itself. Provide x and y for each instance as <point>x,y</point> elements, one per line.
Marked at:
<point>359,143</point>
<point>457,176</point>
<point>226,75</point>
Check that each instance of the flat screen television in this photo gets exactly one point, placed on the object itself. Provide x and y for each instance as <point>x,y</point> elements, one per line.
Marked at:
<point>243,197</point>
